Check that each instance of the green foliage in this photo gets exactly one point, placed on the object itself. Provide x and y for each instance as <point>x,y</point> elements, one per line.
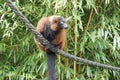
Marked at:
<point>21,60</point>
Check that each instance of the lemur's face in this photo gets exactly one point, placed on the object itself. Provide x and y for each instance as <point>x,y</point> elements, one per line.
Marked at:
<point>62,23</point>
<point>58,23</point>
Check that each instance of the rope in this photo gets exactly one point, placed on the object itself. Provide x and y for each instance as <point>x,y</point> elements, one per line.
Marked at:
<point>45,42</point>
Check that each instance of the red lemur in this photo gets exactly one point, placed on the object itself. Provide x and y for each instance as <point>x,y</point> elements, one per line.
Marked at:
<point>53,29</point>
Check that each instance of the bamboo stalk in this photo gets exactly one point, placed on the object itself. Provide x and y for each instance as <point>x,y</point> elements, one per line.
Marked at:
<point>59,60</point>
<point>75,52</point>
<point>75,48</point>
<point>66,48</point>
<point>79,66</point>
<point>66,60</point>
<point>89,20</point>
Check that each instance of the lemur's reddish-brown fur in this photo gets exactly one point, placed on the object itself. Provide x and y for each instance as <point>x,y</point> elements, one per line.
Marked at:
<point>59,39</point>
<point>53,29</point>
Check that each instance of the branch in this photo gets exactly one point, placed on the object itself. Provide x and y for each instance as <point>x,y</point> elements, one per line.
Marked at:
<point>45,42</point>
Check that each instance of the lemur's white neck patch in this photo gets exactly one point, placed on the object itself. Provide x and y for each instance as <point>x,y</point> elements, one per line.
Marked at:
<point>52,17</point>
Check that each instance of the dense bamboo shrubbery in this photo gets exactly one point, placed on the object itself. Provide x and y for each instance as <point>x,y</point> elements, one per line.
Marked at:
<point>93,34</point>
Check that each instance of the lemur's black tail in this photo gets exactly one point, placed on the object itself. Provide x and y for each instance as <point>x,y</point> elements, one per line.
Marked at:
<point>51,57</point>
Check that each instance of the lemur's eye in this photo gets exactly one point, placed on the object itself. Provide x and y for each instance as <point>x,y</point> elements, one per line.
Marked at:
<point>61,22</point>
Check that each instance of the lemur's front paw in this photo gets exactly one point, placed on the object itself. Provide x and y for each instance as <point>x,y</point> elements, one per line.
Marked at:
<point>56,48</point>
<point>49,46</point>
